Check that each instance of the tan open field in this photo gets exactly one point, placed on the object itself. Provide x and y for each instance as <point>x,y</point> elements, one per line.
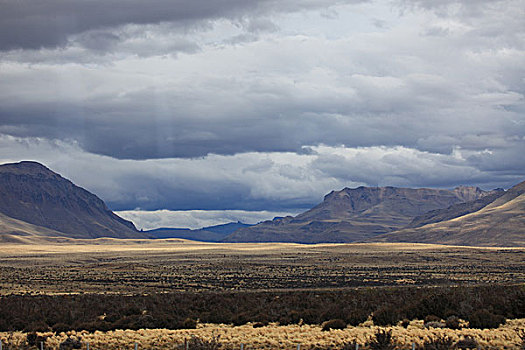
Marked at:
<point>274,336</point>
<point>136,266</point>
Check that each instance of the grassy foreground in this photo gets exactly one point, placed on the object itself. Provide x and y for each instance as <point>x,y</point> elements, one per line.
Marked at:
<point>274,336</point>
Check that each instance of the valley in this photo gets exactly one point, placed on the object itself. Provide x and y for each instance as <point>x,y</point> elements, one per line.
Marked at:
<point>146,266</point>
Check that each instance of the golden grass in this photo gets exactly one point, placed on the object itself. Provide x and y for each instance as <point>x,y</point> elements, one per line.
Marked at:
<point>274,336</point>
<point>181,245</point>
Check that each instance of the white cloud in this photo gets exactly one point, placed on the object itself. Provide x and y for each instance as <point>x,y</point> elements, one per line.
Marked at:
<point>195,219</point>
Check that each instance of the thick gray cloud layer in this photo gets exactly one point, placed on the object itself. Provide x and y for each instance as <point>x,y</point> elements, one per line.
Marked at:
<point>263,104</point>
<point>31,24</point>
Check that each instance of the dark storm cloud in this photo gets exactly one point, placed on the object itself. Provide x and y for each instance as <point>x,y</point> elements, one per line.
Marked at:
<point>262,115</point>
<point>31,24</point>
<point>259,181</point>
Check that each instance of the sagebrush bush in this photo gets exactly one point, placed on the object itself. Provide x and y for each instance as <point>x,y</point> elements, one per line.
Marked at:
<point>439,343</point>
<point>453,322</point>
<point>382,340</point>
<point>60,327</point>
<point>197,343</point>
<point>34,340</point>
<point>334,324</point>
<point>405,323</point>
<point>388,305</point>
<point>485,319</point>
<point>386,316</point>
<point>188,323</point>
<point>467,343</point>
<point>70,343</point>
<point>357,316</point>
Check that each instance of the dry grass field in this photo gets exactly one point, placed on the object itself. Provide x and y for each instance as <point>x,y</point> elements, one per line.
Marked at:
<point>274,336</point>
<point>131,267</point>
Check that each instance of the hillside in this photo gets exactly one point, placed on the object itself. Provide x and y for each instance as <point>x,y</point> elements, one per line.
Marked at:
<point>17,231</point>
<point>356,214</point>
<point>455,210</point>
<point>37,198</point>
<point>500,223</point>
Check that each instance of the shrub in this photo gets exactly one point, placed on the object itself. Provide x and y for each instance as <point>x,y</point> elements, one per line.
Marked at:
<point>188,323</point>
<point>386,316</point>
<point>467,343</point>
<point>291,317</point>
<point>432,318</point>
<point>405,323</point>
<point>169,310</point>
<point>439,343</point>
<point>196,343</point>
<point>485,319</point>
<point>334,324</point>
<point>33,339</point>
<point>382,340</point>
<point>240,319</point>
<point>60,327</point>
<point>356,317</point>
<point>70,343</point>
<point>453,322</point>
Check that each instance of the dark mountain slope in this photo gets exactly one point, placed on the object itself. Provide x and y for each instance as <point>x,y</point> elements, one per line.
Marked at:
<point>356,214</point>
<point>31,193</point>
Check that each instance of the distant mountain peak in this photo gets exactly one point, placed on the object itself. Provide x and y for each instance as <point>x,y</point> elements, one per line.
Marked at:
<point>27,167</point>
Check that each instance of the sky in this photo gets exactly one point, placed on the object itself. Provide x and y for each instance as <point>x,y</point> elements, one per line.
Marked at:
<point>190,113</point>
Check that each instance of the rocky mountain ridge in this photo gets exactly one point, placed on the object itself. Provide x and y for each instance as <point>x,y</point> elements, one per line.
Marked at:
<point>357,214</point>
<point>499,223</point>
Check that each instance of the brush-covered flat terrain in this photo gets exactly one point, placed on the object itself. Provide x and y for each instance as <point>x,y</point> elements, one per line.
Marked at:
<point>144,266</point>
<point>113,293</point>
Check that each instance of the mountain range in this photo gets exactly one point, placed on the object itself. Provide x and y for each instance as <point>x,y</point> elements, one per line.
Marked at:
<point>357,214</point>
<point>36,202</point>
<point>206,234</point>
<point>499,223</point>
